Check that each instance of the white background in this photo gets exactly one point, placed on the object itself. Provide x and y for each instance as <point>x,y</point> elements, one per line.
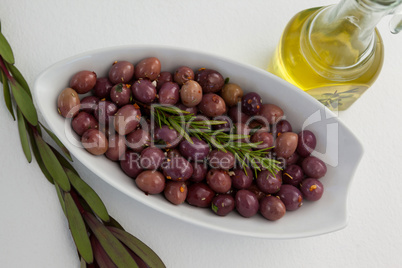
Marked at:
<point>33,229</point>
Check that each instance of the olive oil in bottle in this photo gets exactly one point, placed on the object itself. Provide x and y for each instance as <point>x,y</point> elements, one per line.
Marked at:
<point>333,53</point>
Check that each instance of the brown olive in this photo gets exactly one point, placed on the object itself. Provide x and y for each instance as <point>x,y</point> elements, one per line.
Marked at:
<point>176,192</point>
<point>272,113</point>
<point>151,181</point>
<point>121,72</point>
<point>232,94</point>
<point>68,103</point>
<point>212,105</point>
<point>286,144</point>
<point>83,81</point>
<point>148,68</point>
<point>127,119</point>
<point>191,93</point>
<point>95,142</point>
<point>183,74</point>
<point>117,147</point>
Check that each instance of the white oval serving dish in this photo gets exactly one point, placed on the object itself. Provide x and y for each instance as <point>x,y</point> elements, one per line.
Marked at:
<point>337,145</point>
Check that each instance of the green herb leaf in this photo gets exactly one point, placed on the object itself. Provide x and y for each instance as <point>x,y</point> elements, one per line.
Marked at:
<point>7,95</point>
<point>119,88</point>
<point>88,194</point>
<point>5,50</point>
<point>22,129</point>
<point>58,142</point>
<point>227,80</point>
<point>114,249</point>
<point>83,263</point>
<point>78,229</point>
<point>138,247</point>
<point>60,196</point>
<point>38,158</point>
<point>113,223</point>
<point>101,257</point>
<point>63,161</point>
<point>52,164</point>
<point>19,78</point>
<point>25,103</point>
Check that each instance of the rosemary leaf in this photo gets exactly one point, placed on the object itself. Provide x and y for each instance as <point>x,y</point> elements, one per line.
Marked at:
<point>22,129</point>
<point>138,247</point>
<point>78,229</point>
<point>114,249</point>
<point>38,158</point>
<point>88,194</point>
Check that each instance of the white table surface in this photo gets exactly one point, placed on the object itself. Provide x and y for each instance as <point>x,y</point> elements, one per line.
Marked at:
<point>33,229</point>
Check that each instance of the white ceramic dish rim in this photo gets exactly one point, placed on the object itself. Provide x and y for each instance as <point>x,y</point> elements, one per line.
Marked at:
<point>204,219</point>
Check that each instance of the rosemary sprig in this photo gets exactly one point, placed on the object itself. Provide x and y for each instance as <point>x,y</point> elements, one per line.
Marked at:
<point>187,125</point>
<point>99,238</point>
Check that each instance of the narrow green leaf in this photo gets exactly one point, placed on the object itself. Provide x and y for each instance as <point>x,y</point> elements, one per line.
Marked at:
<point>61,200</point>
<point>38,158</point>
<point>78,229</point>
<point>113,223</point>
<point>19,77</point>
<point>101,257</point>
<point>24,101</point>
<point>138,247</point>
<point>110,244</point>
<point>58,142</point>
<point>7,95</point>
<point>52,164</point>
<point>22,129</point>
<point>5,50</point>
<point>88,194</point>
<point>63,161</point>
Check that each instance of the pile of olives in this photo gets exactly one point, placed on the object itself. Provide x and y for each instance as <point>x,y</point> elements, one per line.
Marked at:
<point>111,115</point>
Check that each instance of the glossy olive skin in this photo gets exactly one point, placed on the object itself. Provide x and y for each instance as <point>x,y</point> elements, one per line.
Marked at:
<point>95,142</point>
<point>200,170</point>
<point>195,151</point>
<point>89,103</point>
<point>223,204</point>
<point>175,192</point>
<point>191,93</point>
<point>286,144</point>
<point>290,196</point>
<point>221,159</point>
<point>237,115</point>
<point>130,163</point>
<point>177,169</point>
<point>314,167</point>
<point>282,126</point>
<point>271,112</point>
<point>241,180</point>
<point>144,91</point>
<point>272,208</point>
<point>183,74</point>
<point>219,180</point>
<point>83,81</point>
<point>84,121</point>
<point>151,182</point>
<point>232,94</point>
<point>169,138</point>
<point>210,80</point>
<point>117,147</point>
<point>312,189</point>
<point>266,139</point>
<point>269,183</point>
<point>120,94</point>
<point>163,77</point>
<point>102,87</point>
<point>104,111</point>
<point>121,72</point>
<point>246,203</point>
<point>212,105</point>
<point>151,158</point>
<point>293,175</point>
<point>307,143</point>
<point>138,139</point>
<point>127,119</point>
<point>200,195</point>
<point>148,68</point>
<point>68,103</point>
<point>169,93</point>
<point>251,103</point>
